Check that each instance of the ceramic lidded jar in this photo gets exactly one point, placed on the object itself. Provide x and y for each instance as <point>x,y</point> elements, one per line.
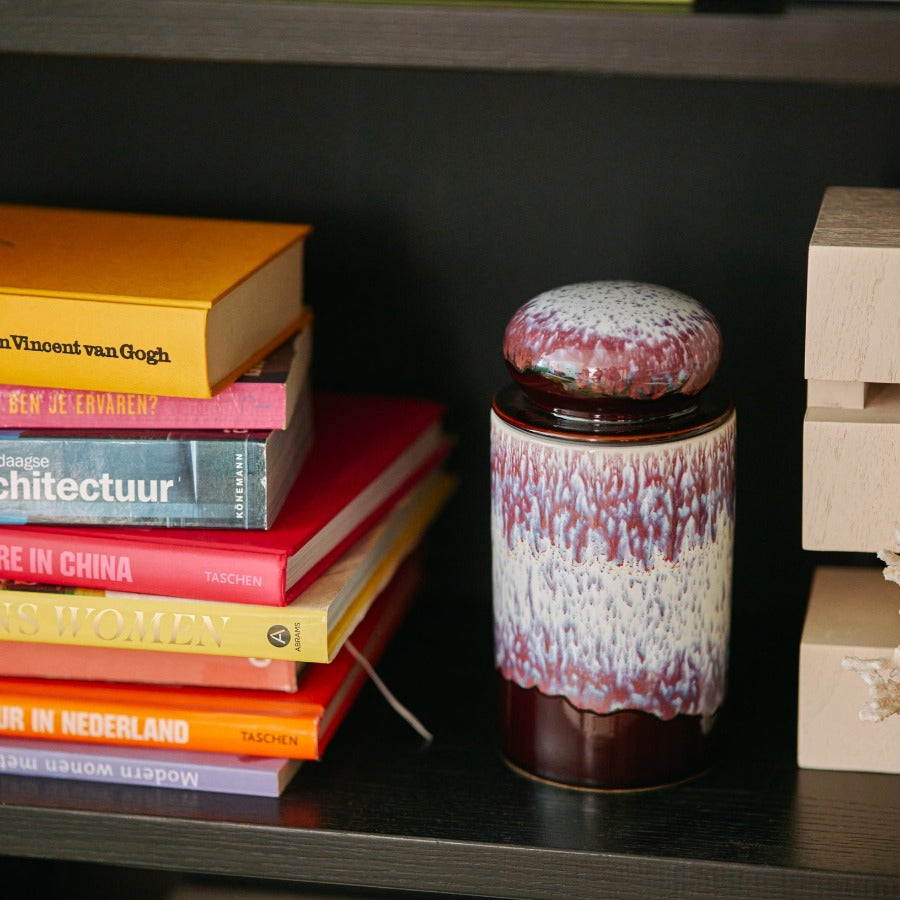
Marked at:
<point>612,520</point>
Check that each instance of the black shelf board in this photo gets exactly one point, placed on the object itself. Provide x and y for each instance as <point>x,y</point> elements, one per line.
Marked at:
<point>384,810</point>
<point>803,42</point>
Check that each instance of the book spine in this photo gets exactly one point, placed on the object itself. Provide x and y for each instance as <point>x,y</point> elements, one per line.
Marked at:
<point>133,722</point>
<point>258,406</point>
<point>192,570</point>
<point>89,344</point>
<point>20,659</point>
<point>103,619</point>
<point>257,401</point>
<point>220,772</point>
<point>133,480</point>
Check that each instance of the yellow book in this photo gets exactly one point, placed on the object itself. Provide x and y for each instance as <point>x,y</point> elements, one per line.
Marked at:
<point>312,628</point>
<point>145,304</point>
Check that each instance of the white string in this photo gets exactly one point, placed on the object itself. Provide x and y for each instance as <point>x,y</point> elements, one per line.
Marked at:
<point>396,705</point>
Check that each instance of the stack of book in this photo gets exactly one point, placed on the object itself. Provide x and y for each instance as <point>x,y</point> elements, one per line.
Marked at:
<point>848,693</point>
<point>200,556</point>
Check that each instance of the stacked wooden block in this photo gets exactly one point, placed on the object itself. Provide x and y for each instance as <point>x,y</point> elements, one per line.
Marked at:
<point>851,476</point>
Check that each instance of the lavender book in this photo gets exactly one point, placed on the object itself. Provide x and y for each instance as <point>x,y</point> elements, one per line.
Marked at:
<point>193,771</point>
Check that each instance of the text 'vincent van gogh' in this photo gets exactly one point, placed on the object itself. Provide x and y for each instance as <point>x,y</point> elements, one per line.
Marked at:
<point>23,343</point>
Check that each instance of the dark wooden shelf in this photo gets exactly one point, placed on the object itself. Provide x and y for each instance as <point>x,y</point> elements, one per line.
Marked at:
<point>827,43</point>
<point>385,811</point>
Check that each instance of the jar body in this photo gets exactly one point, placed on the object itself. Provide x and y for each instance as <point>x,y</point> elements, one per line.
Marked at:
<point>612,569</point>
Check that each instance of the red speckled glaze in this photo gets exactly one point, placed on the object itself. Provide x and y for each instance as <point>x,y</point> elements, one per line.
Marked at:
<point>613,339</point>
<point>665,501</point>
<point>612,569</point>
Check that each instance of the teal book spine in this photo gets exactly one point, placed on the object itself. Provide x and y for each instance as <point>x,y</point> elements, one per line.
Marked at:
<point>202,479</point>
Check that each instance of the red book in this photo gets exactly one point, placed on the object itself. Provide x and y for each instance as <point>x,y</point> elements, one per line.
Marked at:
<point>257,723</point>
<point>367,452</point>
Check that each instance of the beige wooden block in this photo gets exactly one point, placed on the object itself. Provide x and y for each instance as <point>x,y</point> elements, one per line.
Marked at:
<point>853,287</point>
<point>852,612</point>
<point>851,475</point>
<point>843,394</point>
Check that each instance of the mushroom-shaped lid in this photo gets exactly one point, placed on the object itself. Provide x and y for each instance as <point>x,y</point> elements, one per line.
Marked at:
<point>611,340</point>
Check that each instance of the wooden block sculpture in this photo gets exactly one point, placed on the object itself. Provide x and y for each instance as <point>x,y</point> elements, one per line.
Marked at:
<point>847,695</point>
<point>851,431</point>
<point>853,296</point>
<point>851,475</point>
<point>849,688</point>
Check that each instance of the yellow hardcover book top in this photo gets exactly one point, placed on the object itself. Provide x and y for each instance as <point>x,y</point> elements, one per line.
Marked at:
<point>148,304</point>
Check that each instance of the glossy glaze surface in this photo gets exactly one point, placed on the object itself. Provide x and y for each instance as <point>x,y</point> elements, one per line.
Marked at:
<point>623,340</point>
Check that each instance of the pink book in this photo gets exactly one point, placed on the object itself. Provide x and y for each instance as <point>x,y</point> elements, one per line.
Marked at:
<point>260,400</point>
<point>368,451</point>
<point>25,660</point>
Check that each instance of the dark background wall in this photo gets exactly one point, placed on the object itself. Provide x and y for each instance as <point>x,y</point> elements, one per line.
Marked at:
<point>443,200</point>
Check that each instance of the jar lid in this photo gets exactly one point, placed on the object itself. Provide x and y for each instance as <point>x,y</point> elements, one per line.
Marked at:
<point>582,344</point>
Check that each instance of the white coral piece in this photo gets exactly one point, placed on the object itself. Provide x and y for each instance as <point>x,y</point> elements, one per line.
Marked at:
<point>884,688</point>
<point>892,565</point>
<point>881,675</point>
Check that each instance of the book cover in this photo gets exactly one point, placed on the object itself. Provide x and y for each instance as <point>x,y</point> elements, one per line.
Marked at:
<point>310,629</point>
<point>225,773</point>
<point>262,399</point>
<point>367,451</point>
<point>258,723</point>
<point>189,479</point>
<point>19,659</point>
<point>147,304</point>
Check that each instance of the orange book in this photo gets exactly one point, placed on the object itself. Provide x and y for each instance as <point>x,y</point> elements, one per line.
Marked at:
<point>143,304</point>
<point>257,723</point>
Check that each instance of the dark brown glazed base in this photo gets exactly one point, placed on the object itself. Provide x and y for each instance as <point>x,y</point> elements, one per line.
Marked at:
<point>548,738</point>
